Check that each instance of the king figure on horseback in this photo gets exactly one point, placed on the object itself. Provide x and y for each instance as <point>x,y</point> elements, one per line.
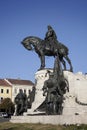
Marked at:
<point>51,38</point>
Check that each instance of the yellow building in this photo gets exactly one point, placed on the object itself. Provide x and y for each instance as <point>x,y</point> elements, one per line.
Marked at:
<point>5,90</point>
<point>9,88</point>
<point>18,84</point>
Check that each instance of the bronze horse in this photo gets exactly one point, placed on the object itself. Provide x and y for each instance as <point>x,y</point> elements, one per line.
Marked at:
<point>43,49</point>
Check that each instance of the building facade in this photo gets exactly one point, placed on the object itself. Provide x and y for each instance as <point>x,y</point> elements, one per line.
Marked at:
<point>5,90</point>
<point>9,88</point>
<point>18,84</point>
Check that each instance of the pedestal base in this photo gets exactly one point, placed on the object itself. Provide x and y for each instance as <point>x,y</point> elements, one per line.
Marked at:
<point>73,112</point>
<point>40,76</point>
<point>52,119</point>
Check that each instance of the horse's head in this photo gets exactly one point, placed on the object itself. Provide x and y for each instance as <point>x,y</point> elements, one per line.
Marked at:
<point>26,43</point>
<point>31,42</point>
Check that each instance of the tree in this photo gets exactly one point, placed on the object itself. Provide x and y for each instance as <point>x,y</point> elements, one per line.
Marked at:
<point>7,106</point>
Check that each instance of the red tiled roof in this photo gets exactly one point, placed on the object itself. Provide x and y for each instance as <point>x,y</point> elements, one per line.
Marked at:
<point>4,83</point>
<point>20,82</point>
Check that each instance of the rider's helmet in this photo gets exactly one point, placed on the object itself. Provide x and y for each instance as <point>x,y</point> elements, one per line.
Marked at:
<point>49,27</point>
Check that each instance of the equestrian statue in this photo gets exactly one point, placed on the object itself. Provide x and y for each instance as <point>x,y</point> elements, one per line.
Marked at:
<point>50,46</point>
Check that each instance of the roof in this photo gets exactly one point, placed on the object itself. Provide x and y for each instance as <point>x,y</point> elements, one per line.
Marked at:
<point>4,83</point>
<point>20,82</point>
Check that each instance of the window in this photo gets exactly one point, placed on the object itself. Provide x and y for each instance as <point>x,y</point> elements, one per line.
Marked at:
<point>2,90</point>
<point>7,91</point>
<point>1,99</point>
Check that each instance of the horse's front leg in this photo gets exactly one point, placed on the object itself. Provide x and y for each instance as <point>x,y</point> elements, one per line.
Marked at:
<point>67,58</point>
<point>42,59</point>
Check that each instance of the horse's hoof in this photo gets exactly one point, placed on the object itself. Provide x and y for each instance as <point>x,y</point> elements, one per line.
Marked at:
<point>71,70</point>
<point>41,68</point>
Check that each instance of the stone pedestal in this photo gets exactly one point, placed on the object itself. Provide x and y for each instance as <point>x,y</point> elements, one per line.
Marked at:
<point>52,119</point>
<point>77,91</point>
<point>40,77</point>
<point>75,102</point>
<point>74,106</point>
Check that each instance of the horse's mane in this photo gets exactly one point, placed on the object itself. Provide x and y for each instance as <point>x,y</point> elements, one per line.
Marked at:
<point>29,37</point>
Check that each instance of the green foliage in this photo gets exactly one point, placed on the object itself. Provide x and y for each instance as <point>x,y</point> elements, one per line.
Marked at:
<point>7,105</point>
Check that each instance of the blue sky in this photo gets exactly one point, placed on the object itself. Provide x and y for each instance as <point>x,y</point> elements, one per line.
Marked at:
<point>22,18</point>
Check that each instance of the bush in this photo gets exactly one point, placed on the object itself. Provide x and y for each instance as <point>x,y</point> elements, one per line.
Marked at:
<point>7,106</point>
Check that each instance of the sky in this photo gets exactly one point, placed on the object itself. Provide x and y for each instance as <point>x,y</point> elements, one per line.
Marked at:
<point>22,18</point>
